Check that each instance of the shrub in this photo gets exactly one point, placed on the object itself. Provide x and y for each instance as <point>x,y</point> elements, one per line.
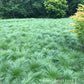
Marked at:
<point>79,23</point>
<point>56,8</point>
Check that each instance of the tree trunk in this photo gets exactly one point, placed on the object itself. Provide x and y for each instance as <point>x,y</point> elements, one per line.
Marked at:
<point>82,47</point>
<point>13,14</point>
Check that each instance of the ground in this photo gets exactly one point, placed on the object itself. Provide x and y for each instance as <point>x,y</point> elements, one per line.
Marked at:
<point>39,51</point>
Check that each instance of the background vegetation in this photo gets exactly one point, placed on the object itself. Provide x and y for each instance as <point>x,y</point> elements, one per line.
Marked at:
<point>56,8</point>
<point>37,8</point>
<point>72,6</point>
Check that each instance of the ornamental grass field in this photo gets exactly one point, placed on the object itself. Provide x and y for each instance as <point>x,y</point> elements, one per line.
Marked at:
<point>39,51</point>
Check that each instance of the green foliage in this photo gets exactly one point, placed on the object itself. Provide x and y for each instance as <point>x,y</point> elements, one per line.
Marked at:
<point>72,6</point>
<point>38,8</point>
<point>79,23</point>
<point>82,2</point>
<point>33,50</point>
<point>56,8</point>
<point>21,8</point>
<point>13,9</point>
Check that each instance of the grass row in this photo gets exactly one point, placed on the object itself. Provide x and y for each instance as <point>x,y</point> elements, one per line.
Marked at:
<point>39,51</point>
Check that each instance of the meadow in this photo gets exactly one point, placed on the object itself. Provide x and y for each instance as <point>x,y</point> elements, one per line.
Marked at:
<point>39,51</point>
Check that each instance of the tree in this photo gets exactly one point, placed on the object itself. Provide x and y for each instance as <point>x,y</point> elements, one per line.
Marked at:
<point>13,9</point>
<point>22,8</point>
<point>35,8</point>
<point>56,8</point>
<point>72,6</point>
